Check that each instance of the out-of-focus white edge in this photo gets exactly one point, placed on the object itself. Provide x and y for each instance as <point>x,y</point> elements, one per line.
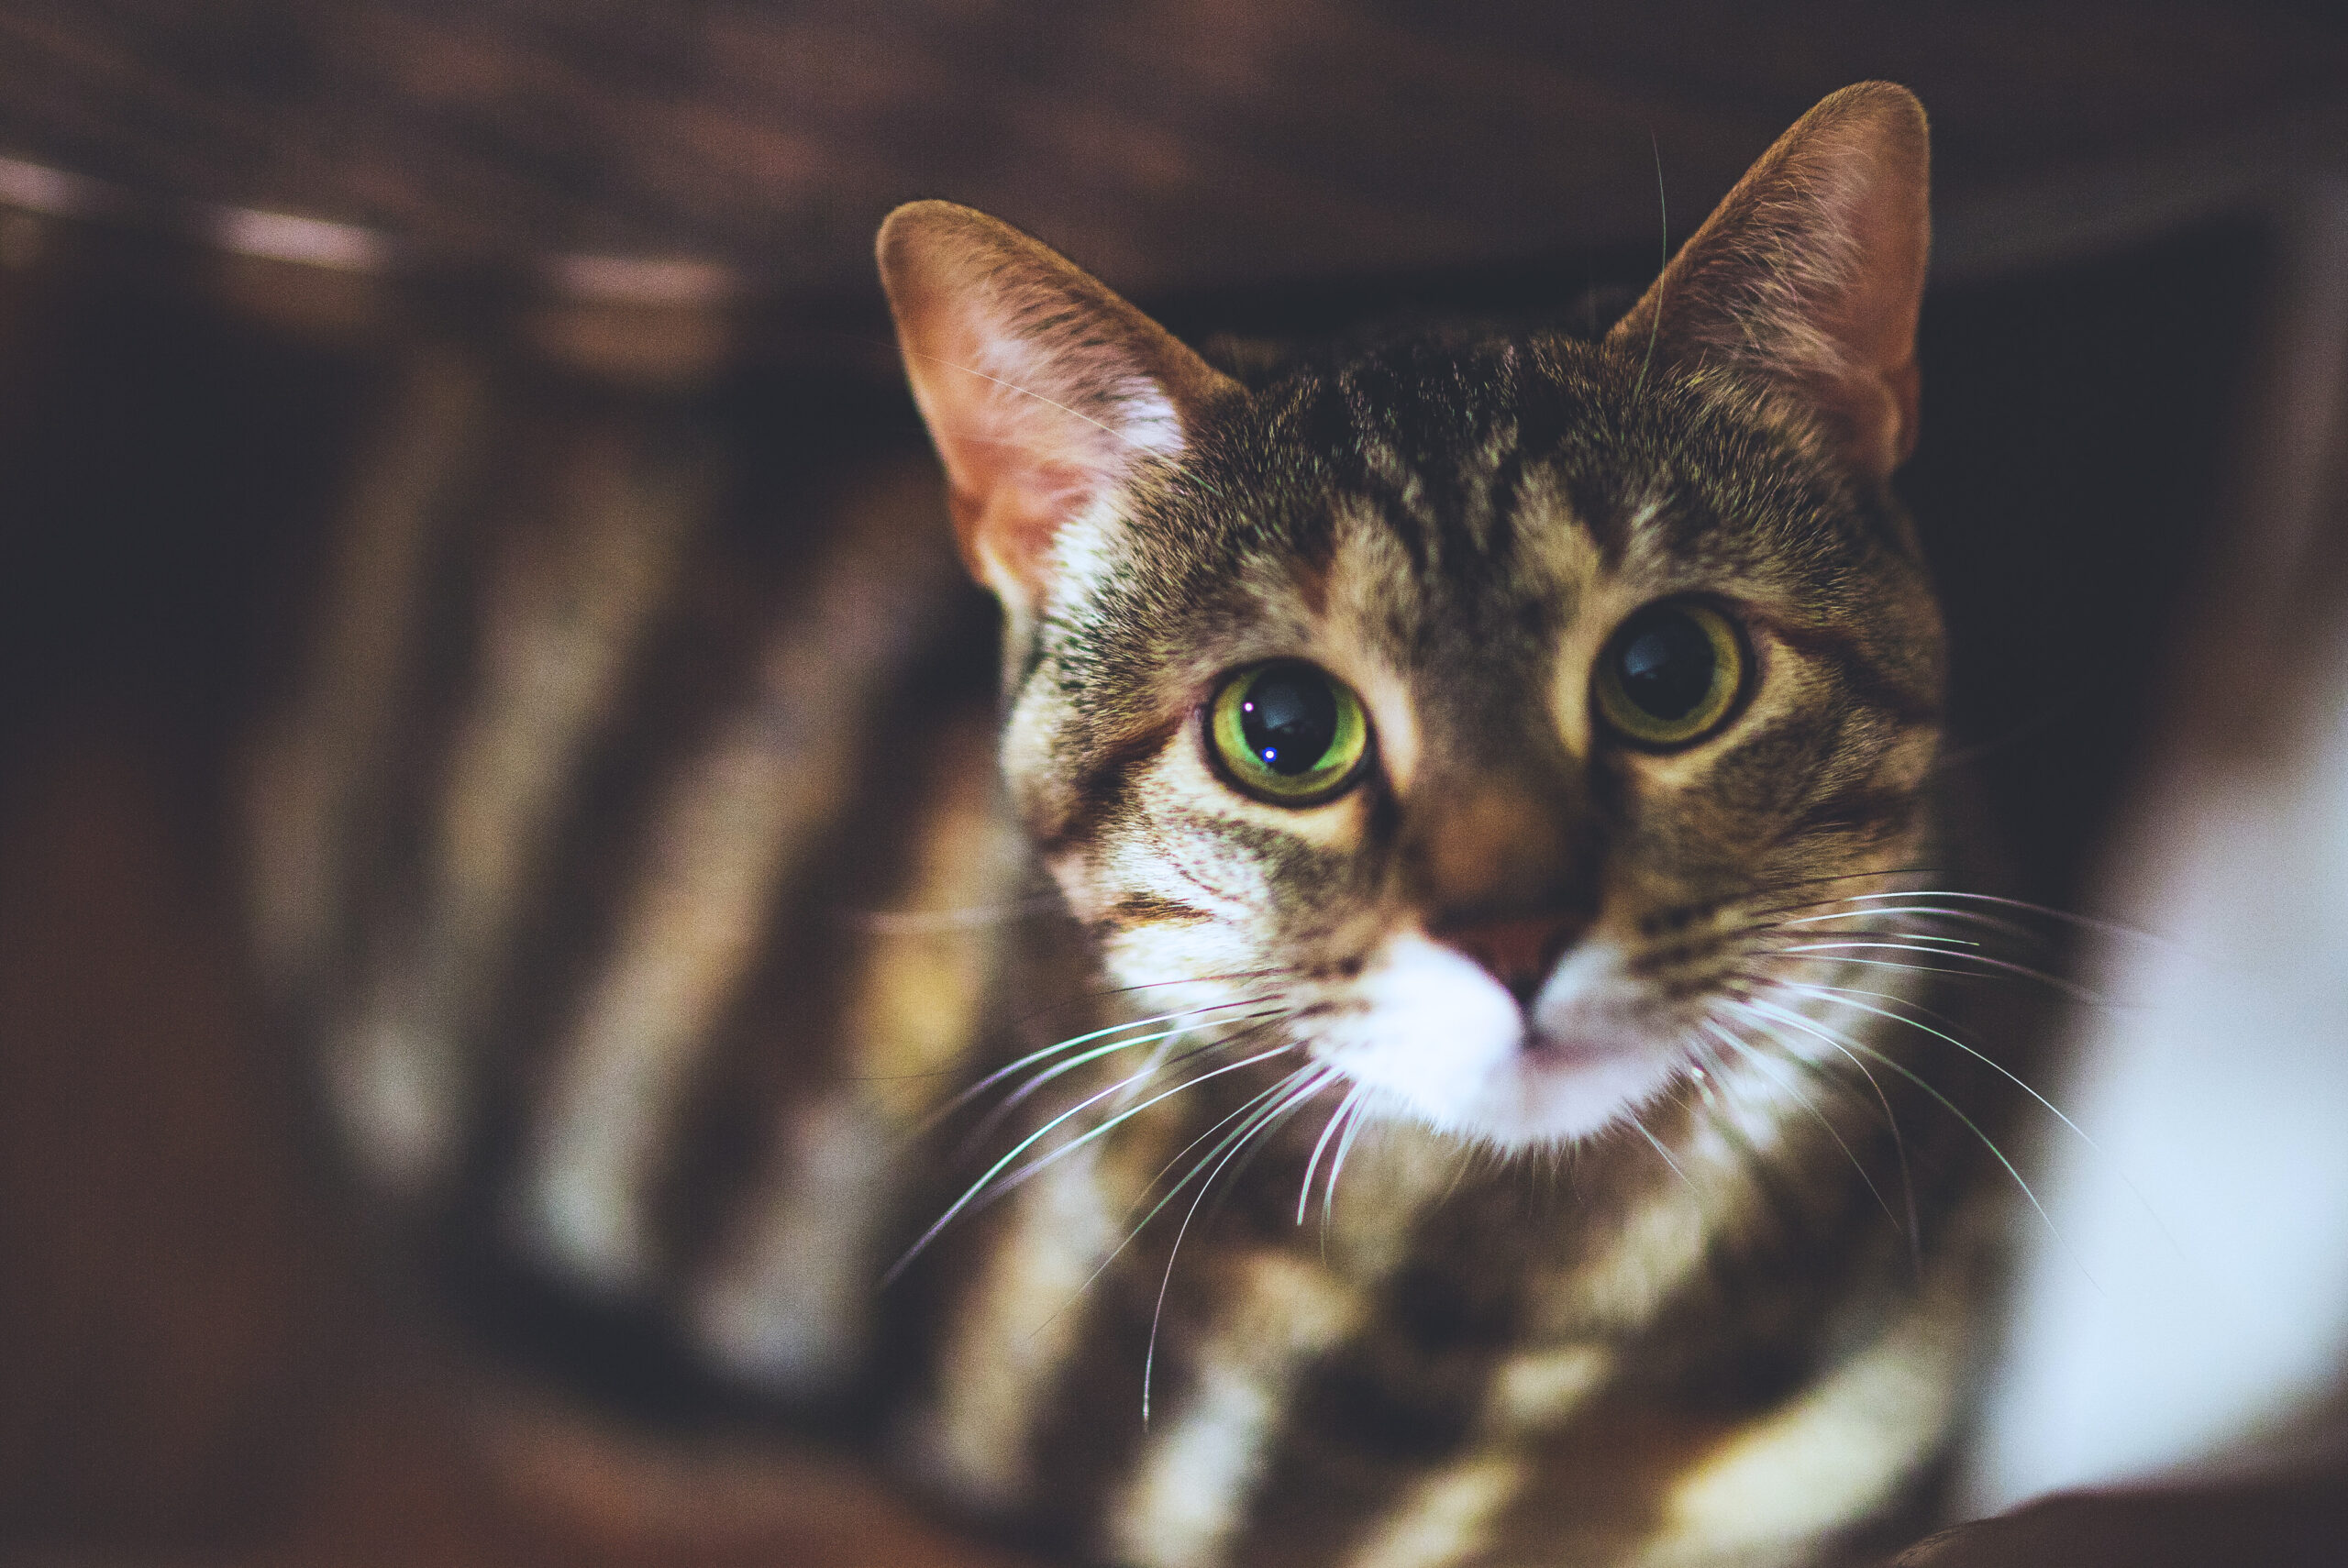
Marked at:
<point>2186,1310</point>
<point>2197,1299</point>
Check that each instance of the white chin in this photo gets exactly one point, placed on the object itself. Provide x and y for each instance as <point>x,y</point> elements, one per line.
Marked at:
<point>1440,1042</point>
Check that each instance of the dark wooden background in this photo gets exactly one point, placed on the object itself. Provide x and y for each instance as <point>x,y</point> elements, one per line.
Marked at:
<point>1171,143</point>
<point>675,202</point>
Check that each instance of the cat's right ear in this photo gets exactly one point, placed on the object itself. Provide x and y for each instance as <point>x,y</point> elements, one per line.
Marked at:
<point>1807,278</point>
<point>1044,391</point>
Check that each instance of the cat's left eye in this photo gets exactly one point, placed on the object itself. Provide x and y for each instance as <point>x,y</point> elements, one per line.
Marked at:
<point>1670,674</point>
<point>1289,733</point>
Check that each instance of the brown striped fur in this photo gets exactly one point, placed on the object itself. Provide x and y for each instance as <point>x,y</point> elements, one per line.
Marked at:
<point>646,893</point>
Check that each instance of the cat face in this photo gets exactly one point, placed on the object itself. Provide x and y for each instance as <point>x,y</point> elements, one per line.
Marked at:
<point>1511,906</point>
<point>1466,714</point>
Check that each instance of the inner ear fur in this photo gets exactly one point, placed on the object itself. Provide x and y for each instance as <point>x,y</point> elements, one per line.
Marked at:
<point>1042,389</point>
<point>1808,275</point>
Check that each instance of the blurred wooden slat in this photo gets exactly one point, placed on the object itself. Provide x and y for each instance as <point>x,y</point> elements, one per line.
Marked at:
<point>1171,143</point>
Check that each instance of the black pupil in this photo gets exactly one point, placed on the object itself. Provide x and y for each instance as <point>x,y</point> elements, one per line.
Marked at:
<point>1289,718</point>
<point>1666,663</point>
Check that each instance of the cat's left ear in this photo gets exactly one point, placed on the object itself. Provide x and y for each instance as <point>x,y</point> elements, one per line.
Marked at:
<point>1043,389</point>
<point>1809,273</point>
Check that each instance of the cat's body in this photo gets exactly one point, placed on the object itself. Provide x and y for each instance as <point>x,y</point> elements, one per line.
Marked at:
<point>1486,1107</point>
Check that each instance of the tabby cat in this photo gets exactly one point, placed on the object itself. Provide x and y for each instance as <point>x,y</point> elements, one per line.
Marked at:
<point>1459,1069</point>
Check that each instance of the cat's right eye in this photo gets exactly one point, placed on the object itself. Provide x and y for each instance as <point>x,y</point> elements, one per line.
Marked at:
<point>1670,674</point>
<point>1288,733</point>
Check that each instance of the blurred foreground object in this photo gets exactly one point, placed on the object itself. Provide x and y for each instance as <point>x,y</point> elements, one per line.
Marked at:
<point>2184,1312</point>
<point>2277,1524</point>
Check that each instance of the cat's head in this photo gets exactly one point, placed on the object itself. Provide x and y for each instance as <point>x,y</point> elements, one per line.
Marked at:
<point>1482,705</point>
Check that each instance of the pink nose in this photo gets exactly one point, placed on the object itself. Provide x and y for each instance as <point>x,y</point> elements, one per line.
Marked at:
<point>1517,950</point>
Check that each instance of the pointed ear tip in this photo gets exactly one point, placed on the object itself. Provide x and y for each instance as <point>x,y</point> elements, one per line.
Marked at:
<point>905,223</point>
<point>1887,111</point>
<point>917,225</point>
<point>1879,93</point>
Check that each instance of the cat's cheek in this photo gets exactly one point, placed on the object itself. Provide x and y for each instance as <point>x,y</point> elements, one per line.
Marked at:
<point>1661,781</point>
<point>1184,964</point>
<point>1909,759</point>
<point>1031,761</point>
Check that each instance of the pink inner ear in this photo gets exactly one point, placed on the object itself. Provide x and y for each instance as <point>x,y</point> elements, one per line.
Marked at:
<point>1021,463</point>
<point>1007,512</point>
<point>1042,389</point>
<point>1015,462</point>
<point>1888,233</point>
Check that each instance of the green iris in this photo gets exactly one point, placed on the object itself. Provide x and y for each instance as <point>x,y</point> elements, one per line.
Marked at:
<point>1286,733</point>
<point>1670,674</point>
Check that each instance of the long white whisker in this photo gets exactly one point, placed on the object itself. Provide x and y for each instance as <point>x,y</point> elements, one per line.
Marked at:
<point>1891,1117</point>
<point>1773,902</point>
<point>996,1076</point>
<point>1971,1126</point>
<point>1337,1161</point>
<point>1761,1060</point>
<point>1161,1059</point>
<point>1104,993</point>
<point>2076,992</point>
<point>1025,1091</point>
<point>1020,1177</point>
<point>1843,995</point>
<point>1350,1111</point>
<point>1975,918</point>
<point>1133,1230</point>
<point>1029,1142</point>
<point>1304,1190</point>
<point>1846,996</point>
<point>1261,1121</point>
<point>2085,922</point>
<point>1245,1109</point>
<point>1657,1143</point>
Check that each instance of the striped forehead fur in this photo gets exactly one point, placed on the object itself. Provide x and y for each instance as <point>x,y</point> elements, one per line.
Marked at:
<point>1469,459</point>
